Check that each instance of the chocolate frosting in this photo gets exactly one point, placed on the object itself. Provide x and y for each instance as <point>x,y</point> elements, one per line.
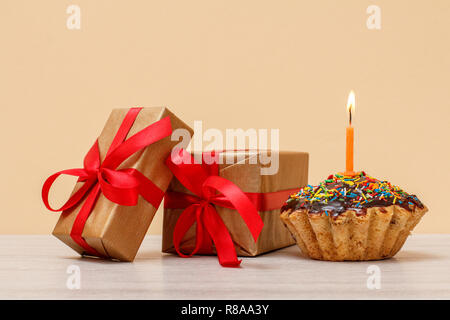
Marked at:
<point>340,193</point>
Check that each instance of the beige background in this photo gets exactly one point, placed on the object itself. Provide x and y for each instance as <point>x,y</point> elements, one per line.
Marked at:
<point>232,64</point>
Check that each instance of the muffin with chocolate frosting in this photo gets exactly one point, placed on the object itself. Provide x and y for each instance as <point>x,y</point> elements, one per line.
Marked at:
<point>351,218</point>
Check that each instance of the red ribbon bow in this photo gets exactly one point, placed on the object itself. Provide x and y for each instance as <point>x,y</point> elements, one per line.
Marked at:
<point>121,186</point>
<point>204,182</point>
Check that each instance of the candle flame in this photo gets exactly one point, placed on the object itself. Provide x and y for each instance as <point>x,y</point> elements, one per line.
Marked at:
<point>351,104</point>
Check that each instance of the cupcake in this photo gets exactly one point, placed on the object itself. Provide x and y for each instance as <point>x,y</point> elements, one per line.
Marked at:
<point>351,218</point>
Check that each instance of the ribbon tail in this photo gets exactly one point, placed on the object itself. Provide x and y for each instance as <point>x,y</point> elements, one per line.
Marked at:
<point>187,218</point>
<point>240,202</point>
<point>221,238</point>
<point>148,189</point>
<point>80,221</point>
<point>205,246</point>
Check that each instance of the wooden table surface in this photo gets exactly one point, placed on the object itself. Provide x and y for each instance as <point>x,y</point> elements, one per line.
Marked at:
<point>35,267</point>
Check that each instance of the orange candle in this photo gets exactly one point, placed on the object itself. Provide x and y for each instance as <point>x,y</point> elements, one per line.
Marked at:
<point>349,151</point>
<point>350,135</point>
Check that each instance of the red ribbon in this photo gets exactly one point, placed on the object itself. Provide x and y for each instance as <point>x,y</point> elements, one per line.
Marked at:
<point>204,182</point>
<point>121,186</point>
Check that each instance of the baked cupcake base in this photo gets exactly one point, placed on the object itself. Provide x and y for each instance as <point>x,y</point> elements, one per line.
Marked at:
<point>377,234</point>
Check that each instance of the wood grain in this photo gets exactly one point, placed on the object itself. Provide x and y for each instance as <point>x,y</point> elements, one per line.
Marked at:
<point>34,267</point>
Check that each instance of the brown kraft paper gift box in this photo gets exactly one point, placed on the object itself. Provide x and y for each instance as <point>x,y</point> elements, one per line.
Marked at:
<point>113,230</point>
<point>292,173</point>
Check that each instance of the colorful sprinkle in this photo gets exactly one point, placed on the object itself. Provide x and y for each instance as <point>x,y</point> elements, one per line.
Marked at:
<point>340,192</point>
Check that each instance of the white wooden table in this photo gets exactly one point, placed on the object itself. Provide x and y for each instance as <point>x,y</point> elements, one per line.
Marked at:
<point>35,267</point>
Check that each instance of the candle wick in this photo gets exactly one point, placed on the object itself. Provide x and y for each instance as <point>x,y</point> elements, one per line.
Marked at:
<point>350,112</point>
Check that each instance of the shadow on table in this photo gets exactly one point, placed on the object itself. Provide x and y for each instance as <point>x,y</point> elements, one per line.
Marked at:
<point>89,259</point>
<point>145,255</point>
<point>404,255</point>
<point>411,255</point>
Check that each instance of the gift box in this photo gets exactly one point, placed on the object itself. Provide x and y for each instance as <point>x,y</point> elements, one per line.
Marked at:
<point>205,211</point>
<point>120,186</point>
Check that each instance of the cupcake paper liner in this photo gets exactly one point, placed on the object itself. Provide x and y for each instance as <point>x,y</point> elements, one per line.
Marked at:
<point>378,234</point>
